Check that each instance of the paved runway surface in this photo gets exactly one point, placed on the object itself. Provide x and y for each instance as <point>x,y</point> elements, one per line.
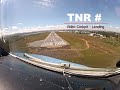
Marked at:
<point>52,40</point>
<point>18,75</point>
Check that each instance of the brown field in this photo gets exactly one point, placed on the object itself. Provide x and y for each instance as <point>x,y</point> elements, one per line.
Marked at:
<point>83,49</point>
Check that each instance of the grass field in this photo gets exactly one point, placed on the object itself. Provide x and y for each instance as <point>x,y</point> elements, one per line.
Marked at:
<point>83,49</point>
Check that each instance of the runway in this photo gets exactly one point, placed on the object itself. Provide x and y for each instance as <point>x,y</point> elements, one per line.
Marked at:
<point>51,41</point>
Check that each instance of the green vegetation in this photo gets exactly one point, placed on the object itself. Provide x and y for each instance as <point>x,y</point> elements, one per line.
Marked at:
<point>113,38</point>
<point>18,43</point>
<point>75,42</point>
<point>100,53</point>
<point>83,49</point>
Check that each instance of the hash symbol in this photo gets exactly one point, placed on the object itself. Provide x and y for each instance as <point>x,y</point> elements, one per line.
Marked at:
<point>97,17</point>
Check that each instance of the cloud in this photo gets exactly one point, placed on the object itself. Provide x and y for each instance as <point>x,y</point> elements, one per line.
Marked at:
<point>5,28</point>
<point>117,27</point>
<point>2,2</point>
<point>20,23</point>
<point>44,3</point>
<point>14,27</point>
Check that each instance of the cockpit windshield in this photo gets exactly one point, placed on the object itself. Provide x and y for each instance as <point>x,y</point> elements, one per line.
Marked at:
<point>79,37</point>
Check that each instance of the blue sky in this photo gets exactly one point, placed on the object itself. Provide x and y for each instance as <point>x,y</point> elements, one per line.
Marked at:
<point>28,13</point>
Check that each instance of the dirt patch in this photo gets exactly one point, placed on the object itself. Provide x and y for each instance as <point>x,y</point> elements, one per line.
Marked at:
<point>61,52</point>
